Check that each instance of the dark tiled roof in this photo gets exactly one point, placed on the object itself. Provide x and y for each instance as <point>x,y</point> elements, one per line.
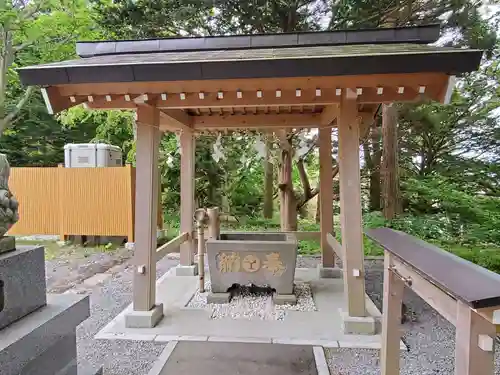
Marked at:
<point>332,58</point>
<point>252,55</point>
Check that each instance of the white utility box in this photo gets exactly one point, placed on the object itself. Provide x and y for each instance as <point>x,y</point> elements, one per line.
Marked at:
<point>88,155</point>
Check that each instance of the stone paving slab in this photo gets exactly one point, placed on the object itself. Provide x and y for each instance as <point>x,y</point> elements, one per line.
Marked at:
<point>216,358</point>
<point>180,323</point>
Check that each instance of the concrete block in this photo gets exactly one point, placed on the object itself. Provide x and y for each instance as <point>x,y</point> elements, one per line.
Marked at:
<point>193,338</point>
<point>329,272</point>
<point>284,299</point>
<point>320,359</point>
<point>22,283</point>
<point>218,297</point>
<point>249,340</point>
<point>144,319</point>
<point>59,358</point>
<point>365,325</point>
<point>39,335</point>
<point>186,270</point>
<point>252,258</point>
<point>7,243</point>
<point>162,359</point>
<point>90,371</point>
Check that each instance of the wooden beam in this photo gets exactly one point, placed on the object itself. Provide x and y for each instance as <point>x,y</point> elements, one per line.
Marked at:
<point>474,343</point>
<point>230,99</point>
<point>171,246</point>
<point>491,314</point>
<point>299,235</point>
<point>326,195</point>
<point>252,85</point>
<point>148,140</point>
<point>175,119</point>
<point>350,207</point>
<point>277,121</point>
<point>391,320</point>
<point>238,98</point>
<point>435,297</point>
<point>335,245</point>
<point>329,114</point>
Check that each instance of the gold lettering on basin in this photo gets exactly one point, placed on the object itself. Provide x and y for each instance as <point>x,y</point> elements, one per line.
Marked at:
<point>274,264</point>
<point>229,262</point>
<point>251,263</point>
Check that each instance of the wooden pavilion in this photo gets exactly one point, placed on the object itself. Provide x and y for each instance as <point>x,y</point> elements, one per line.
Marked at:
<point>274,82</point>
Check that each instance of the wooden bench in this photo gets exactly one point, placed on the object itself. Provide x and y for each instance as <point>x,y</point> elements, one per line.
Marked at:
<point>464,293</point>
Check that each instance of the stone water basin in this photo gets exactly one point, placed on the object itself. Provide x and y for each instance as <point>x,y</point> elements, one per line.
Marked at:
<point>259,258</point>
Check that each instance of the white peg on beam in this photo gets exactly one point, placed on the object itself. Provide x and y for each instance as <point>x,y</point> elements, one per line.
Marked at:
<point>380,90</point>
<point>220,95</point>
<point>421,89</point>
<point>72,99</point>
<point>338,92</point>
<point>108,98</point>
<point>401,90</point>
<point>298,92</point>
<point>90,98</point>
<point>359,91</point>
<point>163,96</point>
<point>318,92</point>
<point>127,97</point>
<point>201,95</point>
<point>239,94</point>
<point>278,93</point>
<point>259,93</point>
<point>182,96</point>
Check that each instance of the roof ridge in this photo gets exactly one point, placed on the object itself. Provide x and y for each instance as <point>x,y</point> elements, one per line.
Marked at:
<point>417,34</point>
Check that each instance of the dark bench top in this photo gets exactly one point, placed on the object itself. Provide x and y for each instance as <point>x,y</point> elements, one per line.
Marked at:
<point>465,281</point>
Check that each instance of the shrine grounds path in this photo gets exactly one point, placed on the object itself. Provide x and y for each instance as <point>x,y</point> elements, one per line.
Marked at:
<point>430,338</point>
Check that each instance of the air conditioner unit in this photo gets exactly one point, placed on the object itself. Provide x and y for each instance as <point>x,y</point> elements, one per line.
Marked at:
<point>89,155</point>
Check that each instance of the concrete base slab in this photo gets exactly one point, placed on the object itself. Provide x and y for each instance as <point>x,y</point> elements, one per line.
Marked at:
<point>365,325</point>
<point>210,358</point>
<point>323,327</point>
<point>144,319</point>
<point>186,270</point>
<point>284,299</point>
<point>329,272</point>
<point>218,297</point>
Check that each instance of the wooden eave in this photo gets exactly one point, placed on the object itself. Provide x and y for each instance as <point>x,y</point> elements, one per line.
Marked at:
<point>296,102</point>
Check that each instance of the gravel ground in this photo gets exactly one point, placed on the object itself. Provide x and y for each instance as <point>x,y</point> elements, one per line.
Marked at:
<point>254,306</point>
<point>118,357</point>
<point>430,338</point>
<point>71,268</point>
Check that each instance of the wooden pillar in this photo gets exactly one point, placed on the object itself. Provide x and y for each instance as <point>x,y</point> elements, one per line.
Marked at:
<point>187,141</point>
<point>326,194</point>
<point>474,343</point>
<point>350,207</point>
<point>146,207</point>
<point>213,223</point>
<point>391,320</point>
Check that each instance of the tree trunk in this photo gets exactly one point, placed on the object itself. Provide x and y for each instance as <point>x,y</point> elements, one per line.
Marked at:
<point>268,183</point>
<point>391,195</point>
